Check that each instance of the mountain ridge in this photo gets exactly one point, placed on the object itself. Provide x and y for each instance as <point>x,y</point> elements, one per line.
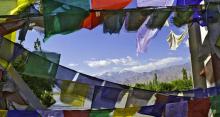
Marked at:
<point>131,77</point>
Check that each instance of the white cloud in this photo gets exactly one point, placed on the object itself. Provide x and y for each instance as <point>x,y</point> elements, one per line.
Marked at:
<point>162,63</point>
<point>72,65</point>
<point>127,61</point>
<point>100,63</point>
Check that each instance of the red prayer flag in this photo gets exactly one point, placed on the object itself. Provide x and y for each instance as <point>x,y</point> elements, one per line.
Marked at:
<point>95,18</point>
<point>109,4</point>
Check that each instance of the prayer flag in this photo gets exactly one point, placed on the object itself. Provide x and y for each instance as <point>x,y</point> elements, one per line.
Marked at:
<point>63,17</point>
<point>100,113</point>
<point>105,97</point>
<point>73,93</point>
<point>125,112</point>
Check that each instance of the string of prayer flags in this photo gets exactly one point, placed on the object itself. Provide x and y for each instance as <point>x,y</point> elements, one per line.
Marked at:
<point>73,93</point>
<point>64,17</point>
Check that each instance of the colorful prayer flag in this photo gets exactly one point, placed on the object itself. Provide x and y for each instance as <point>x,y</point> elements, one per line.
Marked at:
<point>138,98</point>
<point>93,20</point>
<point>100,113</point>
<point>113,22</point>
<point>215,105</point>
<point>109,4</point>
<point>125,112</point>
<point>198,107</point>
<point>153,3</point>
<point>62,17</point>
<point>179,109</point>
<point>40,65</point>
<point>135,19</point>
<point>3,113</point>
<point>105,97</point>
<point>86,79</point>
<point>73,93</point>
<point>51,113</point>
<point>154,110</point>
<point>76,113</point>
<point>174,40</point>
<point>22,113</point>
<point>6,6</point>
<point>64,73</point>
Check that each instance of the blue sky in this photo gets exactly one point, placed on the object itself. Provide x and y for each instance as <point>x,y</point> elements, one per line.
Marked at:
<point>93,52</point>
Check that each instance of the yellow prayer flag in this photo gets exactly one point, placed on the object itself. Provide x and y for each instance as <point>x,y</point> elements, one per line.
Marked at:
<point>3,63</point>
<point>3,113</point>
<point>21,5</point>
<point>125,112</point>
<point>74,93</point>
<point>11,37</point>
<point>6,6</point>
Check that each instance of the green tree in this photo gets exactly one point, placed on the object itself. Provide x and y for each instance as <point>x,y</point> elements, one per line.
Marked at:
<point>184,73</point>
<point>155,79</point>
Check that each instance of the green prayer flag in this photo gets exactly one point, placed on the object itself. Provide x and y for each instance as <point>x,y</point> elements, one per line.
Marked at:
<point>63,17</point>
<point>41,66</point>
<point>158,19</point>
<point>182,17</point>
<point>113,22</point>
<point>100,113</point>
<point>135,19</point>
<point>215,105</point>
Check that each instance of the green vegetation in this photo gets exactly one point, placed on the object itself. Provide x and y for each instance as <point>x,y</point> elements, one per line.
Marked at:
<point>176,85</point>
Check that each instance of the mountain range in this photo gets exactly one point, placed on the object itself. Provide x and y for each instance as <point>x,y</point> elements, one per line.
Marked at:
<point>131,77</point>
